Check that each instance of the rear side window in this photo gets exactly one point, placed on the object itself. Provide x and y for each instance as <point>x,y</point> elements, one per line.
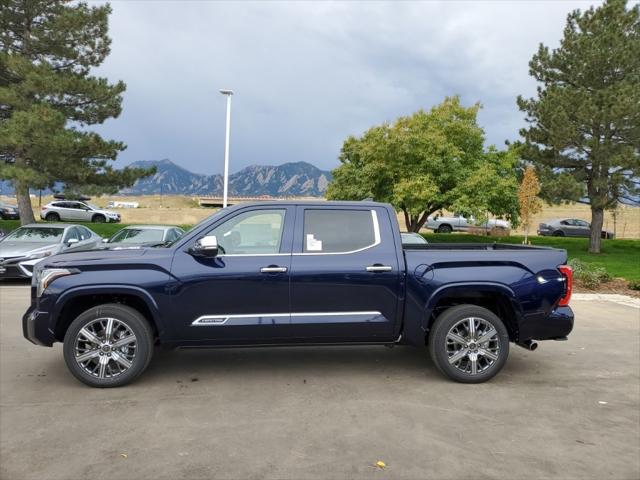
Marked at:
<point>339,231</point>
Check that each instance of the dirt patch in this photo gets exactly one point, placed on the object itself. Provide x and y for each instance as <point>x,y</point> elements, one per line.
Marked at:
<point>617,285</point>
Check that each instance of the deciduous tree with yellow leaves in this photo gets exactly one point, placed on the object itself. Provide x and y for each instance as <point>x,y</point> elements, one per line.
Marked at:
<point>528,199</point>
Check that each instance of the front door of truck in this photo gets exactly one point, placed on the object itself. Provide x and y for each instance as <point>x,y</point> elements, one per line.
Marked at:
<point>345,275</point>
<point>242,294</point>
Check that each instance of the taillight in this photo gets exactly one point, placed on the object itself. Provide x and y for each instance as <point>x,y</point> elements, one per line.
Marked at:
<point>567,273</point>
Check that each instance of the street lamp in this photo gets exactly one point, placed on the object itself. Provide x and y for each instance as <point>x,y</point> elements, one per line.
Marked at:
<point>225,187</point>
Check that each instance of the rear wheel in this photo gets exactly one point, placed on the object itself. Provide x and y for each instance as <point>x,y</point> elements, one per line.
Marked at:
<point>469,344</point>
<point>98,219</point>
<point>52,217</point>
<point>108,346</point>
<point>445,229</point>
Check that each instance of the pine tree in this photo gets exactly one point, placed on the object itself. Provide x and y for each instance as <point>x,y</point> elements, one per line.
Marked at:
<point>584,132</point>
<point>48,97</point>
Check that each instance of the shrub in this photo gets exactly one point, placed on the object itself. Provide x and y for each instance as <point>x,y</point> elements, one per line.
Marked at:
<point>588,275</point>
<point>634,284</point>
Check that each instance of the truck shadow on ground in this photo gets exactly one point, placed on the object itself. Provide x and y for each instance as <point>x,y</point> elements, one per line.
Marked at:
<point>257,363</point>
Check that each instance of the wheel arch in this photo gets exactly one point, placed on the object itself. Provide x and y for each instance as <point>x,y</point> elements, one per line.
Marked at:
<point>496,297</point>
<point>73,302</point>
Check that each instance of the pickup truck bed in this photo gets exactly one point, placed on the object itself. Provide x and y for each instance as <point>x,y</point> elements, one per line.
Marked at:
<point>281,273</point>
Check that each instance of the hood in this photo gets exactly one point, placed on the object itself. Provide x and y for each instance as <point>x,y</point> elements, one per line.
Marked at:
<point>9,249</point>
<point>95,256</point>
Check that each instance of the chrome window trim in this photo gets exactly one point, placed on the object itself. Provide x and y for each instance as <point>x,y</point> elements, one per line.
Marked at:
<point>376,240</point>
<point>199,322</point>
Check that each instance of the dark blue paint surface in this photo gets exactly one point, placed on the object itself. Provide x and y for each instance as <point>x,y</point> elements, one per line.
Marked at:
<point>247,306</point>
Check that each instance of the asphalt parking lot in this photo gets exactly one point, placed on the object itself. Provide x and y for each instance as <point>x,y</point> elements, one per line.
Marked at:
<point>568,410</point>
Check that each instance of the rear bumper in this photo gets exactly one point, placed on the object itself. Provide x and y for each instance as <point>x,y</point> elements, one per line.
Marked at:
<point>35,327</point>
<point>538,326</point>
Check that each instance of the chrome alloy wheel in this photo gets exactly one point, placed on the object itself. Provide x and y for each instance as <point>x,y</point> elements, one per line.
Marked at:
<point>472,345</point>
<point>105,348</point>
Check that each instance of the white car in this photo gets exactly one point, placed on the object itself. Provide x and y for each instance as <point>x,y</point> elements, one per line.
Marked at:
<point>28,245</point>
<point>459,223</point>
<point>76,211</point>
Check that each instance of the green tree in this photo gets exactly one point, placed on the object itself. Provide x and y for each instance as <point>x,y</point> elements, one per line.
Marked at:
<point>427,162</point>
<point>584,126</point>
<point>48,97</point>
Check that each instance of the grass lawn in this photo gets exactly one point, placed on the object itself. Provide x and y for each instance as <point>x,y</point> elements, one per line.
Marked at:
<point>621,258</point>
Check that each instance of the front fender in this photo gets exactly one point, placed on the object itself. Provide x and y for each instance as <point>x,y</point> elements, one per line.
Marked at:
<point>108,289</point>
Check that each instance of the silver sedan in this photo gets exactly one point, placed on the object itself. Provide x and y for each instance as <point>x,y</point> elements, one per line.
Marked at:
<point>27,245</point>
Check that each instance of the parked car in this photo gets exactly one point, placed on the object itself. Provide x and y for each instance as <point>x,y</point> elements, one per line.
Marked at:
<point>8,212</point>
<point>136,236</point>
<point>273,273</point>
<point>76,211</point>
<point>569,227</point>
<point>458,223</point>
<point>412,239</point>
<point>27,245</point>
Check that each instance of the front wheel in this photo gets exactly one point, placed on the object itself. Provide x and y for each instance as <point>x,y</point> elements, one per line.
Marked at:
<point>108,345</point>
<point>99,219</point>
<point>469,344</point>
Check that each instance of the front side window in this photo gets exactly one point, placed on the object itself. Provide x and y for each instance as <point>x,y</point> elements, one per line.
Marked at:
<point>339,231</point>
<point>254,232</point>
<point>72,234</point>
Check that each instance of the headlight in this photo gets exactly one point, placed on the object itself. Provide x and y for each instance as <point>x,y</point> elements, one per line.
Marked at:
<point>33,256</point>
<point>44,277</point>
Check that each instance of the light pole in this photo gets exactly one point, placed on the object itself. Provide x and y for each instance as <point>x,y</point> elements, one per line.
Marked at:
<point>225,187</point>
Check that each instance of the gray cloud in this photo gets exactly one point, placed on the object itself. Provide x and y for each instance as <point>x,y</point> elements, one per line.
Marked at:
<point>307,75</point>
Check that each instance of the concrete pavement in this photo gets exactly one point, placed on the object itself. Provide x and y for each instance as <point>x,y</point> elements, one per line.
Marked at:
<point>568,410</point>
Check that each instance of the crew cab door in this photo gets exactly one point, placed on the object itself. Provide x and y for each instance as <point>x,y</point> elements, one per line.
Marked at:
<point>242,294</point>
<point>345,275</point>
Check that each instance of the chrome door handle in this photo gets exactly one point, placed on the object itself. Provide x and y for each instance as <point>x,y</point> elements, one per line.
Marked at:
<point>379,268</point>
<point>273,269</point>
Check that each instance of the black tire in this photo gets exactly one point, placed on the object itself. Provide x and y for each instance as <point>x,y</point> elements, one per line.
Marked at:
<point>52,217</point>
<point>445,229</point>
<point>438,346</point>
<point>143,348</point>
<point>99,219</point>
<point>558,233</point>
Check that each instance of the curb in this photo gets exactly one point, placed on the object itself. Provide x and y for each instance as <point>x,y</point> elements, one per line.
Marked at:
<point>608,297</point>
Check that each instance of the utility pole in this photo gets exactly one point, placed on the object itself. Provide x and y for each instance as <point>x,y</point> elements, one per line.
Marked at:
<point>225,188</point>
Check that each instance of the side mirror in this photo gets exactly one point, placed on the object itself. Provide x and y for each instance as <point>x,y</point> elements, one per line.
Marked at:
<point>72,241</point>
<point>205,247</point>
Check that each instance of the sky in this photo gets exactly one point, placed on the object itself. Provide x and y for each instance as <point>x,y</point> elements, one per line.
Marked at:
<point>307,75</point>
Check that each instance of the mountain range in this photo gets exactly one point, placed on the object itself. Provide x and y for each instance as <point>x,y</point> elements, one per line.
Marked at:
<point>299,179</point>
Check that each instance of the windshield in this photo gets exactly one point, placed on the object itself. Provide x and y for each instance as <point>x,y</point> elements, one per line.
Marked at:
<point>91,206</point>
<point>137,235</point>
<point>36,234</point>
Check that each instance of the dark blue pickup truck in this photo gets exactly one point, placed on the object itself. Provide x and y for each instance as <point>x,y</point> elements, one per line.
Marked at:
<point>314,273</point>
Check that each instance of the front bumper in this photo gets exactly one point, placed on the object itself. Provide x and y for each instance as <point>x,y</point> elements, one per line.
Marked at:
<point>35,327</point>
<point>18,268</point>
<point>538,326</point>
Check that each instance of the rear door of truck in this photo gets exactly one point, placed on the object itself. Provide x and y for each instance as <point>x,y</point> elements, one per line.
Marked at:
<point>345,274</point>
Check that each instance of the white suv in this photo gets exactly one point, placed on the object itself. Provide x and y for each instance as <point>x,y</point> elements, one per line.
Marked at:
<point>74,211</point>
